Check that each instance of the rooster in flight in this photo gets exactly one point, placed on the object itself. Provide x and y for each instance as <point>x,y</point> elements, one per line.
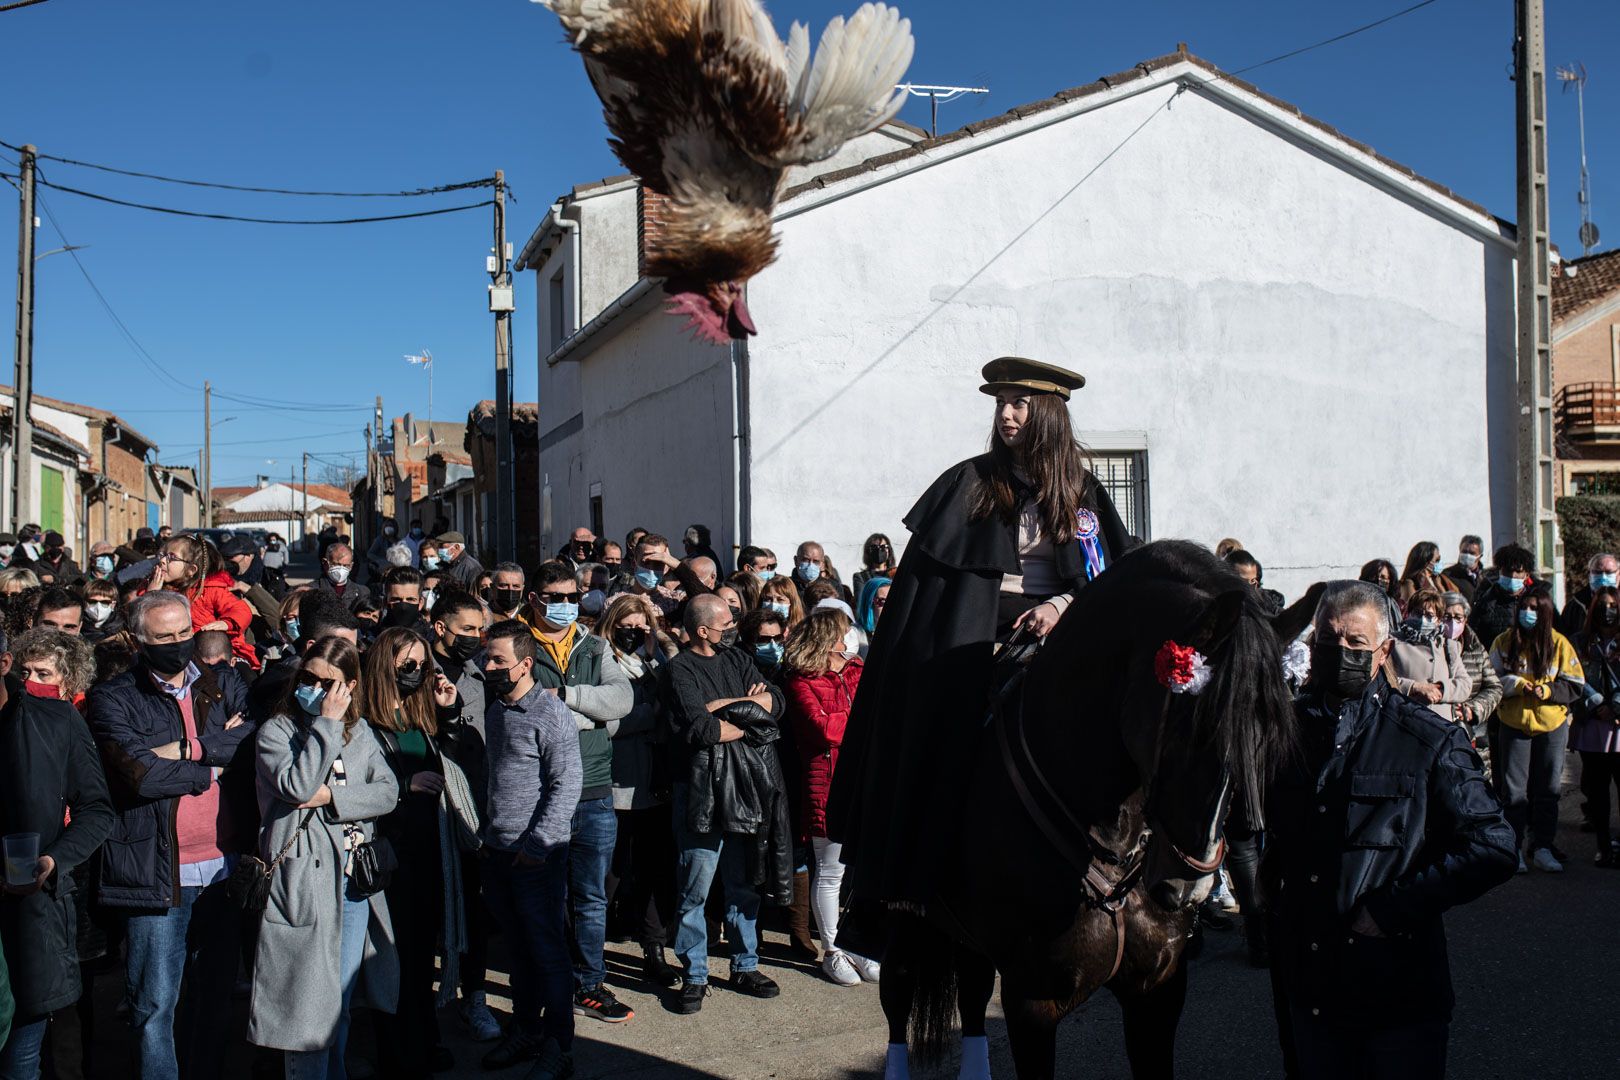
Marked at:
<point>710,108</point>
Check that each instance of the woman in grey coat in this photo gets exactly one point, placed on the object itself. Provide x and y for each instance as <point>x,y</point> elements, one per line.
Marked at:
<point>319,762</point>
<point>1486,694</point>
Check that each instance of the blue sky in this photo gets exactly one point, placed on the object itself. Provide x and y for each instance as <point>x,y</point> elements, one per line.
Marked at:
<point>373,95</point>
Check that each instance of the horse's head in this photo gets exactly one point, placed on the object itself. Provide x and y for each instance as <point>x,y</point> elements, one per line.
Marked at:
<point>1200,753</point>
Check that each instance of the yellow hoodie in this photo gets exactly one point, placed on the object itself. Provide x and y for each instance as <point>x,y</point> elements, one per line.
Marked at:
<point>1522,710</point>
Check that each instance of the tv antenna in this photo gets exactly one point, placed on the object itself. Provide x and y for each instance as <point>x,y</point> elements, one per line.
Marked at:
<point>1575,75</point>
<point>938,94</point>
<point>425,359</point>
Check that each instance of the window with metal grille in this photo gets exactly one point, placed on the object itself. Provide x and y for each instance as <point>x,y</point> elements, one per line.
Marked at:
<point>1124,475</point>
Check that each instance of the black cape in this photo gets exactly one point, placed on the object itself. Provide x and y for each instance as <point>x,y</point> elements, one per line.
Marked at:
<point>919,714</point>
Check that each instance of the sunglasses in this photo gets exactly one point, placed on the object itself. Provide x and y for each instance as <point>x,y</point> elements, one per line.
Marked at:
<point>306,678</point>
<point>409,667</point>
<point>766,639</point>
<point>880,604</point>
<point>560,597</point>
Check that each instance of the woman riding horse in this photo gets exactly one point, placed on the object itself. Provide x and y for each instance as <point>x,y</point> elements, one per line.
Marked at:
<point>1001,545</point>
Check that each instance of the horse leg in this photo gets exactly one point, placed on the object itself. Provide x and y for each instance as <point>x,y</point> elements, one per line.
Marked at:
<point>975,983</point>
<point>1031,1035</point>
<point>897,989</point>
<point>1151,1019</point>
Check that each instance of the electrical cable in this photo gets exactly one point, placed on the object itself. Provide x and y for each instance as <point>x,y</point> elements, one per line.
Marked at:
<point>1336,38</point>
<point>259,220</point>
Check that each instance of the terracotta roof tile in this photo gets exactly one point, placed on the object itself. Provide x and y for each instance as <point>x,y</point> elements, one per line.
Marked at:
<point>1596,278</point>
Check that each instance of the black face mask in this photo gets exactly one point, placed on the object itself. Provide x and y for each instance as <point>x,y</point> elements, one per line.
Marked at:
<point>408,681</point>
<point>504,600</point>
<point>403,614</point>
<point>1608,615</point>
<point>170,658</point>
<point>728,639</point>
<point>499,681</point>
<point>629,638</point>
<point>1341,671</point>
<point>462,647</point>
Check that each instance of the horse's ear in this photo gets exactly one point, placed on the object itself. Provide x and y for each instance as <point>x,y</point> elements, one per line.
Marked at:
<point>1215,625</point>
<point>1291,622</point>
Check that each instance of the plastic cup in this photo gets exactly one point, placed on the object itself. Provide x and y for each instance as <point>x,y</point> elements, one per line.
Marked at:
<point>22,857</point>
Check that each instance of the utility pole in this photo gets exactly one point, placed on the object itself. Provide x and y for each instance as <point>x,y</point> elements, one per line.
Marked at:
<point>22,432</point>
<point>376,484</point>
<point>501,304</point>
<point>208,455</point>
<point>1537,523</point>
<point>303,524</point>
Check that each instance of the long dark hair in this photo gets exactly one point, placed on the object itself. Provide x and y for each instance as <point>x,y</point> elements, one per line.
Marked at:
<point>341,654</point>
<point>1369,573</point>
<point>380,699</point>
<point>1419,559</point>
<point>1055,463</point>
<point>1591,627</point>
<point>1533,648</point>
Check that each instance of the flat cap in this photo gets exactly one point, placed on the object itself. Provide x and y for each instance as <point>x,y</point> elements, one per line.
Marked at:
<point>1008,372</point>
<point>54,539</point>
<point>451,537</point>
<point>236,544</point>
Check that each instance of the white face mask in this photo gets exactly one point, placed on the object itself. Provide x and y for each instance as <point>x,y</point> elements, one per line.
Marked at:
<point>852,644</point>
<point>99,612</point>
<point>429,598</point>
<point>338,575</point>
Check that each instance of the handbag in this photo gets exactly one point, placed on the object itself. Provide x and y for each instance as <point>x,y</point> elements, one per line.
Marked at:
<point>373,867</point>
<point>249,884</point>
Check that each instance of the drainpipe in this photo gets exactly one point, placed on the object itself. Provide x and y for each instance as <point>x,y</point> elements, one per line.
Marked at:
<point>741,482</point>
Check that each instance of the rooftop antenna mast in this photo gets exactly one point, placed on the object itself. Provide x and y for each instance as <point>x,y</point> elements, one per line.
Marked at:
<point>425,359</point>
<point>937,94</point>
<point>1575,75</point>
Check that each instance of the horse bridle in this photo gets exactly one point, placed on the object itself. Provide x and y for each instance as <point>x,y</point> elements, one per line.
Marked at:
<point>1109,876</point>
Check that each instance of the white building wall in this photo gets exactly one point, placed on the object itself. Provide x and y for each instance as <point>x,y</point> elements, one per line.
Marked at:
<point>1269,322</point>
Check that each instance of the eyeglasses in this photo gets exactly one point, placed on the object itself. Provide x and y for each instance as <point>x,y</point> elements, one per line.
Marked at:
<point>880,603</point>
<point>409,667</point>
<point>767,566</point>
<point>560,597</point>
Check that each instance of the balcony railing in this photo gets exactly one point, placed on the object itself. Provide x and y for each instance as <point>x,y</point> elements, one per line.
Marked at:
<point>1589,412</point>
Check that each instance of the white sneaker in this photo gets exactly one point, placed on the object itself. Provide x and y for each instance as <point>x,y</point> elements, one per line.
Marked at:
<point>838,968</point>
<point>1546,861</point>
<point>1524,867</point>
<point>869,970</point>
<point>481,1023</point>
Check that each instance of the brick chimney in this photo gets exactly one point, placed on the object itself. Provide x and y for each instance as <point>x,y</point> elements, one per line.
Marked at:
<point>651,208</point>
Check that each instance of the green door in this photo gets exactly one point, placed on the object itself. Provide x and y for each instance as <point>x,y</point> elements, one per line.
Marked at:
<point>50,499</point>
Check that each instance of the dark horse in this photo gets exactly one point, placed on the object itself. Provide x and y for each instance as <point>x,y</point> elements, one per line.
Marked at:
<point>1092,816</point>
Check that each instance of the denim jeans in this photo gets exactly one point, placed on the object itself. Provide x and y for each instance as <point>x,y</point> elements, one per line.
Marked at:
<point>700,856</point>
<point>19,1059</point>
<point>530,904</point>
<point>590,853</point>
<point>328,1064</point>
<point>1529,771</point>
<point>196,943</point>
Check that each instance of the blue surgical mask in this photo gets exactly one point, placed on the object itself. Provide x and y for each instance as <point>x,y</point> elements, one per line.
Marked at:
<point>1434,567</point>
<point>310,698</point>
<point>1511,584</point>
<point>808,572</point>
<point>1469,559</point>
<point>647,579</point>
<point>104,564</point>
<point>778,606</point>
<point>764,575</point>
<point>769,652</point>
<point>562,613</point>
<point>1528,617</point>
<point>430,562</point>
<point>292,629</point>
<point>1603,581</point>
<point>416,534</point>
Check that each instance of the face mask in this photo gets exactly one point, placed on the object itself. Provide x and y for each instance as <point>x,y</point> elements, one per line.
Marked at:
<point>779,606</point>
<point>768,652</point>
<point>647,579</point>
<point>1343,671</point>
<point>736,612</point>
<point>170,658</point>
<point>1528,617</point>
<point>103,564</point>
<point>274,545</point>
<point>430,562</point>
<point>506,599</point>
<point>808,572</point>
<point>1608,615</point>
<point>499,681</point>
<point>39,689</point>
<point>99,612</point>
<point>429,598</point>
<point>852,644</point>
<point>337,575</point>
<point>764,575</point>
<point>1454,628</point>
<point>463,647</point>
<point>728,638</point>
<point>1428,623</point>
<point>388,531</point>
<point>1511,584</point>
<point>416,532</point>
<point>1603,581</point>
<point>409,681</point>
<point>629,638</point>
<point>1469,559</point>
<point>562,614</point>
<point>402,615</point>
<point>309,698</point>
<point>593,602</point>
<point>31,550</point>
<point>1434,567</point>
<point>291,629</point>
<point>6,550</point>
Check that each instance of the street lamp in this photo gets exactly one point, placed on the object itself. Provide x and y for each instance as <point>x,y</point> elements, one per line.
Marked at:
<point>58,251</point>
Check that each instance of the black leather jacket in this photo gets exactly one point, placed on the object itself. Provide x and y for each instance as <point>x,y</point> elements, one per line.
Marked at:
<point>738,788</point>
<point>1389,812</point>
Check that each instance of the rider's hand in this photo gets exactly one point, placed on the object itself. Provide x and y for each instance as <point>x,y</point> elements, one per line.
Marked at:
<point>1038,620</point>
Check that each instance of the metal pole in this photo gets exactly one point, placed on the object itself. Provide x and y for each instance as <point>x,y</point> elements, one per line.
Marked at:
<point>22,440</point>
<point>1537,523</point>
<point>505,510</point>
<point>303,524</point>
<point>208,455</point>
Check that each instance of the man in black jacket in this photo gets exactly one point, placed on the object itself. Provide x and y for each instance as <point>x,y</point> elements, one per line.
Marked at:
<point>49,774</point>
<point>1497,598</point>
<point>165,728</point>
<point>711,675</point>
<point>1386,823</point>
<point>1468,572</point>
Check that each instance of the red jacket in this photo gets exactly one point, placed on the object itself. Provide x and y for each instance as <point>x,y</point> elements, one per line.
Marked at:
<point>217,603</point>
<point>818,709</point>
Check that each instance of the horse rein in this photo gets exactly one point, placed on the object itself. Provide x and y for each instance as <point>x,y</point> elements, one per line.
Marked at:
<point>1108,876</point>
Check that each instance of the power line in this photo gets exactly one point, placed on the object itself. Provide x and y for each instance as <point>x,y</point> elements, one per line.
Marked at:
<point>260,220</point>
<point>1336,38</point>
<point>437,189</point>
